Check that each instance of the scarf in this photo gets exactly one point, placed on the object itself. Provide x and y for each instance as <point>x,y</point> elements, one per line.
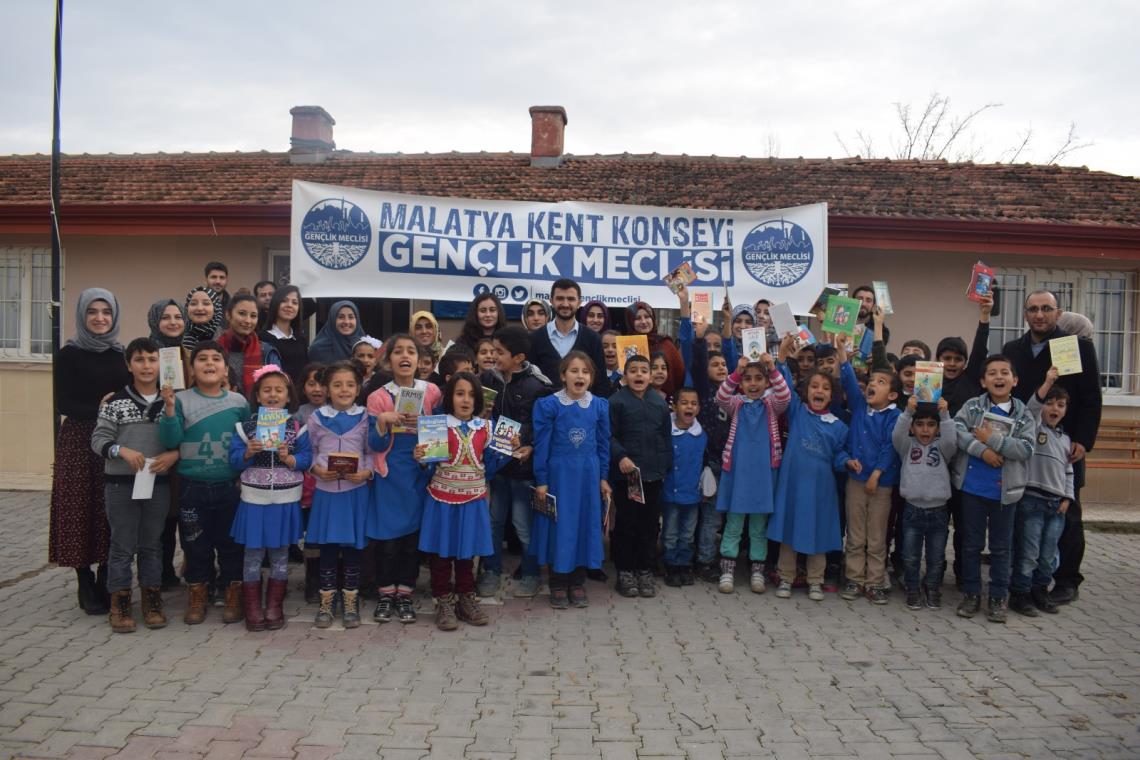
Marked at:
<point>437,344</point>
<point>329,345</point>
<point>197,333</point>
<point>154,316</point>
<point>85,339</point>
<point>248,349</point>
<point>605,310</point>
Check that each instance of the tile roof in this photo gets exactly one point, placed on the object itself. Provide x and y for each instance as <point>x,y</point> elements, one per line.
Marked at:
<point>852,187</point>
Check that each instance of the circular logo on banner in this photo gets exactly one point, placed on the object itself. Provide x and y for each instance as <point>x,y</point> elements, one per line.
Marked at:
<point>778,253</point>
<point>336,233</point>
<point>500,292</point>
<point>480,289</point>
<point>519,293</point>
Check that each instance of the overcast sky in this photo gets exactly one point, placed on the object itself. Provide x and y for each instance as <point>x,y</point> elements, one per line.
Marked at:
<point>724,78</point>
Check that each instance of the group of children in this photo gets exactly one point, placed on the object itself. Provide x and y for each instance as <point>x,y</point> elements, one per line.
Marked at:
<point>805,451</point>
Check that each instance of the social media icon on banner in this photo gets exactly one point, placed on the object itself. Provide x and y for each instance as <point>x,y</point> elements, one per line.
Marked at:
<point>480,289</point>
<point>519,292</point>
<point>500,292</point>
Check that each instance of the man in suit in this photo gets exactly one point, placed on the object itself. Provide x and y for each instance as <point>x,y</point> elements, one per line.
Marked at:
<point>563,334</point>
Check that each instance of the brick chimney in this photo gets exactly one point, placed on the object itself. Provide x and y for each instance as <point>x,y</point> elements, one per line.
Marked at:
<point>547,128</point>
<point>312,138</point>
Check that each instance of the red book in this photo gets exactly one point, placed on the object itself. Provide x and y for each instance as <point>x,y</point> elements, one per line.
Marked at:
<point>981,282</point>
<point>343,463</point>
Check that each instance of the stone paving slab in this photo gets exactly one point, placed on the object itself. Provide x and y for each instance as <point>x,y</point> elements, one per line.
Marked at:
<point>690,674</point>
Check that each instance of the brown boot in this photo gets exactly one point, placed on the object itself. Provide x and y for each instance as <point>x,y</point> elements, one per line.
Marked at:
<point>151,605</point>
<point>274,596</point>
<point>469,610</point>
<point>251,596</point>
<point>196,598</point>
<point>232,612</point>
<point>120,616</point>
<point>445,613</point>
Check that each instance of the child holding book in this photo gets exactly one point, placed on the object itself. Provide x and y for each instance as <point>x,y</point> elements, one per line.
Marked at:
<point>806,516</point>
<point>996,434</point>
<point>1041,512</point>
<point>571,454</point>
<point>709,371</point>
<point>456,526</point>
<point>681,494</point>
<point>396,510</point>
<point>200,421</point>
<point>640,451</point>
<point>751,459</point>
<point>126,435</point>
<point>338,432</point>
<point>268,519</point>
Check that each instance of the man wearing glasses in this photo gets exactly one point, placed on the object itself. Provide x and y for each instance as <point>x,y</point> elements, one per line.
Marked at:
<point>1031,360</point>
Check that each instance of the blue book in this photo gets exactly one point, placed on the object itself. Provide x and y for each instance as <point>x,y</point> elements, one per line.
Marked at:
<point>432,431</point>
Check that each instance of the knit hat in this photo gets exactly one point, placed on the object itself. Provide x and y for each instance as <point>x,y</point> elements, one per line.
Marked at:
<point>85,339</point>
<point>954,345</point>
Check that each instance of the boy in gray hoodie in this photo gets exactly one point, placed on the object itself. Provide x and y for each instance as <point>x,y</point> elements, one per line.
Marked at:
<point>1041,511</point>
<point>926,441</point>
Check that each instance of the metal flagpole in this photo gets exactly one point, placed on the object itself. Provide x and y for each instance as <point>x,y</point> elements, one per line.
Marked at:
<point>55,241</point>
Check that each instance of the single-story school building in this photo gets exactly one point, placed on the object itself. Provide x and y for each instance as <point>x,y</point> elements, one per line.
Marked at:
<point>145,225</point>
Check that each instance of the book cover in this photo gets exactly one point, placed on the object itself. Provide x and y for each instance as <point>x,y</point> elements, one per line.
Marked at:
<point>343,463</point>
<point>547,506</point>
<point>882,296</point>
<point>928,381</point>
<point>755,343</point>
<point>680,277</point>
<point>432,432</point>
<point>805,337</point>
<point>631,345</point>
<point>489,396</point>
<point>271,426</point>
<point>783,320</point>
<point>702,306</point>
<point>841,316</point>
<point>998,423</point>
<point>408,401</point>
<point>505,431</point>
<point>170,368</point>
<point>981,282</point>
<point>635,489</point>
<point>1066,355</point>
<point>825,294</point>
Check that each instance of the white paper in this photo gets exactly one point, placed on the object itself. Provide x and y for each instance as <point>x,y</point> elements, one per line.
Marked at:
<point>782,319</point>
<point>170,368</point>
<point>144,482</point>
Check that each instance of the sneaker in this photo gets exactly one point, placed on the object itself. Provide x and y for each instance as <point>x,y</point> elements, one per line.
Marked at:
<point>996,612</point>
<point>351,615</point>
<point>405,610</point>
<point>488,584</point>
<point>914,599</point>
<point>851,591</point>
<point>933,598</point>
<point>324,618</point>
<point>1042,601</point>
<point>578,596</point>
<point>626,583</point>
<point>784,590</point>
<point>384,608</point>
<point>468,609</point>
<point>646,585</point>
<point>756,579</point>
<point>526,586</point>
<point>559,598</point>
<point>1063,595</point>
<point>877,595</point>
<point>445,619</point>
<point>672,578</point>
<point>726,584</point>
<point>1022,604</point>
<point>969,605</point>
<point>687,576</point>
<point>815,592</point>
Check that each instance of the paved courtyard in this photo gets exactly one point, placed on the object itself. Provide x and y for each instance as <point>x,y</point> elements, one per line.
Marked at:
<point>692,674</point>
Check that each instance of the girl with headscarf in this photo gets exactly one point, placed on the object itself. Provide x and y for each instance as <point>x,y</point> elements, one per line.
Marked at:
<point>425,332</point>
<point>536,313</point>
<point>204,317</point>
<point>88,368</point>
<point>595,316</point>
<point>338,335</point>
<point>740,318</point>
<point>284,330</point>
<point>484,316</point>
<point>640,319</point>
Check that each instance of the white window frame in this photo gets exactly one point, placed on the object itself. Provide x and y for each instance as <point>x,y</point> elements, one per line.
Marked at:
<point>1011,324</point>
<point>24,255</point>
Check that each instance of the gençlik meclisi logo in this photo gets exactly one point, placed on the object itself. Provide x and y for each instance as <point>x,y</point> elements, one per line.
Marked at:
<point>778,253</point>
<point>336,233</point>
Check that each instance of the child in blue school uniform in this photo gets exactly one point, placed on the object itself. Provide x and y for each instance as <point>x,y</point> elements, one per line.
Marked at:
<point>681,494</point>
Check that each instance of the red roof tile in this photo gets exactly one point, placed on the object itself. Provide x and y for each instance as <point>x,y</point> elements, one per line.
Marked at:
<point>851,187</point>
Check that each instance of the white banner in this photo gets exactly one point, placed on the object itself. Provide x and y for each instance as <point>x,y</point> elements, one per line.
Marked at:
<point>360,243</point>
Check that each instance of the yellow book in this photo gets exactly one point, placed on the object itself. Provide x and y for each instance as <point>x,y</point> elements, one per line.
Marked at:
<point>1066,355</point>
<point>631,345</point>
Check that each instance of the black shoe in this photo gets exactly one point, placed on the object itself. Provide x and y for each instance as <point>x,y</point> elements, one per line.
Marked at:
<point>559,598</point>
<point>1064,595</point>
<point>89,601</point>
<point>687,577</point>
<point>709,572</point>
<point>933,598</point>
<point>1041,600</point>
<point>969,605</point>
<point>101,591</point>
<point>597,574</point>
<point>1022,605</point>
<point>385,607</point>
<point>996,612</point>
<point>914,600</point>
<point>626,583</point>
<point>405,611</point>
<point>672,577</point>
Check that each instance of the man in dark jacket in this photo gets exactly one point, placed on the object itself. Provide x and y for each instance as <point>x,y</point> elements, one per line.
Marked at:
<point>1031,359</point>
<point>563,334</point>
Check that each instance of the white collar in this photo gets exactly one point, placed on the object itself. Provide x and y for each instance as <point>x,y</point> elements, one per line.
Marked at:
<point>886,408</point>
<point>827,417</point>
<point>328,411</point>
<point>693,430</point>
<point>275,331</point>
<point>565,399</point>
<point>474,423</point>
<point>392,388</point>
<point>1005,406</point>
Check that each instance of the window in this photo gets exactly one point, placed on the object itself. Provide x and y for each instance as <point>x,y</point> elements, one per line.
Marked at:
<point>25,299</point>
<point>1107,298</point>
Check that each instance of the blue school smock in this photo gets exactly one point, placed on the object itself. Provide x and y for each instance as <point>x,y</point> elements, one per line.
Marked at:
<point>269,512</point>
<point>397,506</point>
<point>749,487</point>
<point>339,507</point>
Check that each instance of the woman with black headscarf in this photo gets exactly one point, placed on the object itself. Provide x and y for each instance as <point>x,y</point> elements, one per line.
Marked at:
<point>335,339</point>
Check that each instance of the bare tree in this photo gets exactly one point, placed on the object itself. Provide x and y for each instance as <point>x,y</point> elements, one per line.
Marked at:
<point>1072,143</point>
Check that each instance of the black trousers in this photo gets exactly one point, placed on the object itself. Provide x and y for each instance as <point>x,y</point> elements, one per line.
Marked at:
<point>398,562</point>
<point>1072,543</point>
<point>577,577</point>
<point>634,542</point>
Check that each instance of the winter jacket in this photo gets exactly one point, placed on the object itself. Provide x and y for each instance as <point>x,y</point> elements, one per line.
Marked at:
<point>924,478</point>
<point>516,400</point>
<point>641,429</point>
<point>1015,449</point>
<point>128,420</point>
<point>1050,471</point>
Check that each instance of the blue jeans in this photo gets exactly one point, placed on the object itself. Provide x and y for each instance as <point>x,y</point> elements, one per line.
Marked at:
<point>1039,527</point>
<point>978,515</point>
<point>924,527</point>
<point>708,550</point>
<point>511,498</point>
<point>206,514</point>
<point>678,526</point>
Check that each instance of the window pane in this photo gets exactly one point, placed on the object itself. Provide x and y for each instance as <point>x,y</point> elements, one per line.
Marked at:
<point>10,302</point>
<point>1008,324</point>
<point>1105,304</point>
<point>1063,290</point>
<point>41,300</point>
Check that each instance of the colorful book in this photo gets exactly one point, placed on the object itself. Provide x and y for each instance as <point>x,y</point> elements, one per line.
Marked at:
<point>805,337</point>
<point>928,381</point>
<point>635,489</point>
<point>680,277</point>
<point>981,282</point>
<point>841,316</point>
<point>755,343</point>
<point>343,463</point>
<point>170,368</point>
<point>702,306</point>
<point>783,320</point>
<point>1066,355</point>
<point>432,431</point>
<point>998,423</point>
<point>824,296</point>
<point>547,506</point>
<point>271,426</point>
<point>408,401</point>
<point>505,431</point>
<point>631,345</point>
<point>489,396</point>
<point>882,296</point>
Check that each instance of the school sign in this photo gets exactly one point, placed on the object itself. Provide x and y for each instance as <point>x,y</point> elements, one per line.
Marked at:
<point>347,242</point>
